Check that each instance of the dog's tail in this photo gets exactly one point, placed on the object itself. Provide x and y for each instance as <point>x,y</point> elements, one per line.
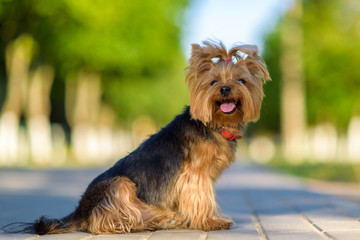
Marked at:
<point>43,226</point>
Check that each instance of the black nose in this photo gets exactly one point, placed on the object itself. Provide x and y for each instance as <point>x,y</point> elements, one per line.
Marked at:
<point>225,91</point>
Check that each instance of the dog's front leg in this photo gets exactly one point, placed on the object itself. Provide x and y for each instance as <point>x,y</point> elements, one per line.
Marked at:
<point>197,192</point>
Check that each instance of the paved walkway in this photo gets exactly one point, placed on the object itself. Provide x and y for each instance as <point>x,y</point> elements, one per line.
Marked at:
<point>262,203</point>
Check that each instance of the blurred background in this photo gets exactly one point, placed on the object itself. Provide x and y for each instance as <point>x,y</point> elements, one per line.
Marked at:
<point>84,82</point>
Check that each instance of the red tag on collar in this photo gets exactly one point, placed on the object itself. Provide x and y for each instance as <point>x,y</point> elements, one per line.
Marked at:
<point>228,135</point>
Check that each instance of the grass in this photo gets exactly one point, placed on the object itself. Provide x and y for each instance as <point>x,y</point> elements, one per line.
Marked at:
<point>331,171</point>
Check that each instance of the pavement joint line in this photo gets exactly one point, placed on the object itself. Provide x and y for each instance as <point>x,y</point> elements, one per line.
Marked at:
<point>341,210</point>
<point>255,218</point>
<point>259,228</point>
<point>316,228</point>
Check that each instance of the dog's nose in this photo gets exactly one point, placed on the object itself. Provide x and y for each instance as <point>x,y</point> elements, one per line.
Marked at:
<point>225,91</point>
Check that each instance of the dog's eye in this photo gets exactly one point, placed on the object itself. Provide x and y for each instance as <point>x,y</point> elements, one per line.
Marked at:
<point>213,82</point>
<point>242,81</point>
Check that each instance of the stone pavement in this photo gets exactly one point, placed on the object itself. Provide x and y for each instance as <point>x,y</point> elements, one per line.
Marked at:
<point>264,204</point>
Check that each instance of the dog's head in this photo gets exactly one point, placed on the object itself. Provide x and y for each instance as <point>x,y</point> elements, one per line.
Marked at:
<point>225,86</point>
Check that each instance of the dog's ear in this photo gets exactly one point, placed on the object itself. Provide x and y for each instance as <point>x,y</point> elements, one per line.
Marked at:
<point>254,62</point>
<point>199,63</point>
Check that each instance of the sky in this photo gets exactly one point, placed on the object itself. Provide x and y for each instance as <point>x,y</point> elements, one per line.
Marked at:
<point>232,21</point>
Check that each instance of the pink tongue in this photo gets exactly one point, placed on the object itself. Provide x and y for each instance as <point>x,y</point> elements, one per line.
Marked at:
<point>227,107</point>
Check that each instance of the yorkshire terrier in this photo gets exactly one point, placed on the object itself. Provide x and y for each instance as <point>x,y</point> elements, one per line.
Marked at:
<point>168,181</point>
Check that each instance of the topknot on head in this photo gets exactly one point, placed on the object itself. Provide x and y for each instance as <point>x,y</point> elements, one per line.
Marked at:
<point>254,62</point>
<point>203,58</point>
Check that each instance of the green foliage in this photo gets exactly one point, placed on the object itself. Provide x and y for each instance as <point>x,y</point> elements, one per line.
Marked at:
<point>162,98</point>
<point>331,53</point>
<point>270,111</point>
<point>132,44</point>
<point>333,171</point>
<point>331,56</point>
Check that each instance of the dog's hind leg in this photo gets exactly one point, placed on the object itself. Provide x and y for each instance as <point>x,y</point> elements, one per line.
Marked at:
<point>121,211</point>
<point>118,211</point>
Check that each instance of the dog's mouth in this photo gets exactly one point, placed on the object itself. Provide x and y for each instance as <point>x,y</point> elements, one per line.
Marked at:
<point>228,106</point>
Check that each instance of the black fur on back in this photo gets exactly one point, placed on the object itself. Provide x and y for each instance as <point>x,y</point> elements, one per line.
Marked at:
<point>154,164</point>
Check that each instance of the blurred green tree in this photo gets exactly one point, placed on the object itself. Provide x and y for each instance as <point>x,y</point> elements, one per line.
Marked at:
<point>331,52</point>
<point>133,45</point>
<point>331,57</point>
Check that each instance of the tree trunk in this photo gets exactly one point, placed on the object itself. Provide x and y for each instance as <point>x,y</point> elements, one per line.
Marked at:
<point>18,57</point>
<point>293,119</point>
<point>38,114</point>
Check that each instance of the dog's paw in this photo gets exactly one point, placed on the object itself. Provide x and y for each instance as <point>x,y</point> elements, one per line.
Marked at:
<point>170,223</point>
<point>213,224</point>
<point>173,221</point>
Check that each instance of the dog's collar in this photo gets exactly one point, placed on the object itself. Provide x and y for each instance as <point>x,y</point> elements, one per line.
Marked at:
<point>228,135</point>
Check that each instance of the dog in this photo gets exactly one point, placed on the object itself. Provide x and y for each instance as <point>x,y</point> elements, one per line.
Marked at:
<point>168,181</point>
